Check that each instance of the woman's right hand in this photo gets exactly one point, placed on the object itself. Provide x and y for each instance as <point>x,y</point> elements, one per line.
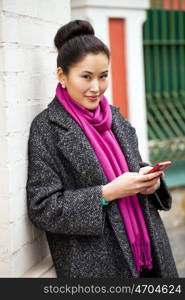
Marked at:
<point>129,183</point>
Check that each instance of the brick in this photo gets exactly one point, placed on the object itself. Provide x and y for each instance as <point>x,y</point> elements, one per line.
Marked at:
<point>5,268</point>
<point>12,59</point>
<point>39,82</point>
<point>29,87</point>
<point>5,211</point>
<point>4,181</point>
<point>1,58</point>
<point>20,91</point>
<point>3,117</point>
<point>57,8</point>
<point>36,232</point>
<point>40,9</point>
<point>51,273</point>
<point>2,91</point>
<point>17,119</point>
<point>21,7</point>
<point>8,35</point>
<point>41,33</point>
<point>42,59</point>
<point>21,233</point>
<point>42,269</point>
<point>35,109</point>
<point>18,204</point>
<point>17,144</point>
<point>18,182</point>
<point>28,256</point>
<point>4,241</point>
<point>43,245</point>
<point>3,151</point>
<point>7,80</point>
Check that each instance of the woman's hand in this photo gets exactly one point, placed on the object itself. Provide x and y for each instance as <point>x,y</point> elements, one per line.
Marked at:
<point>152,188</point>
<point>131,183</point>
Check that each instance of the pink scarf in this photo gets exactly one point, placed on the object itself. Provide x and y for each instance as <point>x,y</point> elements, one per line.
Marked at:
<point>97,127</point>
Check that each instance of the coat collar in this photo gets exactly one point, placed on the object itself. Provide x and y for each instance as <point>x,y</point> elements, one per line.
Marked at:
<point>57,114</point>
<point>78,150</point>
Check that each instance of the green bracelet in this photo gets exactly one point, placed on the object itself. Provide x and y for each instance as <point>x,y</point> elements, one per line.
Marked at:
<point>104,202</point>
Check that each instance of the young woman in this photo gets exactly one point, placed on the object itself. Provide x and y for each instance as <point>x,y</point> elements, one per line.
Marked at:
<point>87,186</point>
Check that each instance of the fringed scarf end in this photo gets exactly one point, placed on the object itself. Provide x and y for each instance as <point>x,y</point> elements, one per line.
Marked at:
<point>142,254</point>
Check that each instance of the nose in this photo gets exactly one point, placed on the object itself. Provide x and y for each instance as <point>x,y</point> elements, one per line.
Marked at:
<point>94,86</point>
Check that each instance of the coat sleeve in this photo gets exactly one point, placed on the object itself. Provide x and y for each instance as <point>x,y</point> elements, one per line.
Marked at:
<point>51,207</point>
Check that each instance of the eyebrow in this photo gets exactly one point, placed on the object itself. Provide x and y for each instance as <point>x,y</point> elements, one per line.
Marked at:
<point>92,72</point>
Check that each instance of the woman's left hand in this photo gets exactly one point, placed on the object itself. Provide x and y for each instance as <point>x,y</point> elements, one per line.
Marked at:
<point>151,189</point>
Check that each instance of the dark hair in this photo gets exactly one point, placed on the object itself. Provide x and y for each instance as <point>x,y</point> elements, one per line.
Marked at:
<point>74,41</point>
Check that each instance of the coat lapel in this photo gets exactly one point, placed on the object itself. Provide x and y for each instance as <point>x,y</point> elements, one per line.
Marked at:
<point>77,149</point>
<point>75,146</point>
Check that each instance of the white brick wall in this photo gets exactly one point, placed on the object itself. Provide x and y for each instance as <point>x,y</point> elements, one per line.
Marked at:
<point>27,85</point>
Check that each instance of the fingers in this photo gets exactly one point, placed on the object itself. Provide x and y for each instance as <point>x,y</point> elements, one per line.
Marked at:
<point>148,191</point>
<point>151,176</point>
<point>144,170</point>
<point>151,189</point>
<point>152,184</point>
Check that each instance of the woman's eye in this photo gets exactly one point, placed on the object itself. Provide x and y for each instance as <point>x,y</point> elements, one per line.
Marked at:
<point>86,76</point>
<point>104,76</point>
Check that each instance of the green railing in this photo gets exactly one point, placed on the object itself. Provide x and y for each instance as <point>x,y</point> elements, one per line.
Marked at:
<point>164,57</point>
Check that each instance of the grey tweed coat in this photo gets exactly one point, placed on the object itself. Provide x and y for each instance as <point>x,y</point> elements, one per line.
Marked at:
<point>64,191</point>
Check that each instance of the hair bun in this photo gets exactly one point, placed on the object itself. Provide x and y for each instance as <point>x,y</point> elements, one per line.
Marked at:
<point>71,30</point>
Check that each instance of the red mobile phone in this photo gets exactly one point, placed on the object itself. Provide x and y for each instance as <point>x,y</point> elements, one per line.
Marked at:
<point>160,166</point>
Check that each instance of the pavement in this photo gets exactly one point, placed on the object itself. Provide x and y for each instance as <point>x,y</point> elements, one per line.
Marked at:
<point>177,240</point>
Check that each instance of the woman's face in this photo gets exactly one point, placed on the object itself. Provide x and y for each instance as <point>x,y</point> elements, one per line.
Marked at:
<point>87,81</point>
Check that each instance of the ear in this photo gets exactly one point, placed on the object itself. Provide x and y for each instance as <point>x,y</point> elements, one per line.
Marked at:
<point>60,74</point>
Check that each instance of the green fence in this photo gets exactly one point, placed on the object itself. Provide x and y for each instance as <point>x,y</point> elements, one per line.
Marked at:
<point>164,57</point>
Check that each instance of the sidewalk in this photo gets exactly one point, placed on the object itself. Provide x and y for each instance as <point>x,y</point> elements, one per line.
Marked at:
<point>174,222</point>
<point>177,240</point>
